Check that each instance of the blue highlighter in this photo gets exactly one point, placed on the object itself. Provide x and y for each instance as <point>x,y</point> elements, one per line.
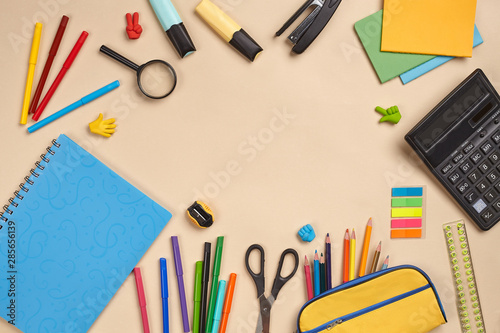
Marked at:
<point>173,26</point>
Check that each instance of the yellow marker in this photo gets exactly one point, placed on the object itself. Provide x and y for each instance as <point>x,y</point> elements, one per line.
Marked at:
<point>352,255</point>
<point>31,72</point>
<point>228,29</point>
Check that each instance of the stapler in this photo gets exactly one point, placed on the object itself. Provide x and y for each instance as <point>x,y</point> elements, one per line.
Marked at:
<point>313,24</point>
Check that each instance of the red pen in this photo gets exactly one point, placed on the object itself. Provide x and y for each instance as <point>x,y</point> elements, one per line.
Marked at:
<point>142,299</point>
<point>64,69</point>
<point>50,59</point>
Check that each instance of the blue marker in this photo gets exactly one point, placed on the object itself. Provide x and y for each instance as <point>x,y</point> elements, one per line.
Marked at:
<point>173,26</point>
<point>87,99</point>
<point>218,306</point>
<point>164,293</point>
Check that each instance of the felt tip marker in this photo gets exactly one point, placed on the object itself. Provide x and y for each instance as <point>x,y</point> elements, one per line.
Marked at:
<point>228,29</point>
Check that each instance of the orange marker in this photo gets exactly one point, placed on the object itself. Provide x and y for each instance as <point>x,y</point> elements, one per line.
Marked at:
<point>346,256</point>
<point>228,301</point>
<point>366,247</point>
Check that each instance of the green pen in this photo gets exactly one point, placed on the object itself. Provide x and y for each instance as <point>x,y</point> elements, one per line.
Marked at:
<point>197,296</point>
<point>215,284</point>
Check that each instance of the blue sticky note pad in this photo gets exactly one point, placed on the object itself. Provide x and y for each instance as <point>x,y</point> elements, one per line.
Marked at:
<point>407,191</point>
<point>78,232</point>
<point>426,67</point>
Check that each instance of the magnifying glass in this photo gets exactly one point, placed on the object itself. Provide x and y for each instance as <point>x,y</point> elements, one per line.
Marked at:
<point>156,78</point>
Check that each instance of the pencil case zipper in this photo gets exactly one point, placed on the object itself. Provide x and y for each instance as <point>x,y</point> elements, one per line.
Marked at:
<point>353,283</point>
<point>331,324</point>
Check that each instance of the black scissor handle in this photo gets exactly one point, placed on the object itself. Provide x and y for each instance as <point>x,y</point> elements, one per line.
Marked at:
<point>257,278</point>
<point>279,281</point>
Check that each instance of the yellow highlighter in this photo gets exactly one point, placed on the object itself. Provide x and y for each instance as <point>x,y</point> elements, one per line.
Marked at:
<point>31,72</point>
<point>228,29</point>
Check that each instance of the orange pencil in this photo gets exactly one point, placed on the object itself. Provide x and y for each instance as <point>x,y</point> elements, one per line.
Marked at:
<point>346,256</point>
<point>228,301</point>
<point>366,247</point>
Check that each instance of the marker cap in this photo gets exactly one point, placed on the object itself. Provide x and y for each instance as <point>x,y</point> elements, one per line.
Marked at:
<point>181,40</point>
<point>245,44</point>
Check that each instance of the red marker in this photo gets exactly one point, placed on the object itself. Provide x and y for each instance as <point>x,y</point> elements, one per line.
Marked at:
<point>142,299</point>
<point>60,76</point>
<point>50,59</point>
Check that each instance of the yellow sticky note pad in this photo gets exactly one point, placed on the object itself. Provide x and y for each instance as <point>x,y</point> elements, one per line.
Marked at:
<point>406,212</point>
<point>437,27</point>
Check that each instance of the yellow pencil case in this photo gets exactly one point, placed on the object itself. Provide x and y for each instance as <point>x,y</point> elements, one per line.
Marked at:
<point>400,299</point>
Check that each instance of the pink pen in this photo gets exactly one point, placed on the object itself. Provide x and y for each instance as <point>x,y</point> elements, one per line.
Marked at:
<point>307,270</point>
<point>142,299</point>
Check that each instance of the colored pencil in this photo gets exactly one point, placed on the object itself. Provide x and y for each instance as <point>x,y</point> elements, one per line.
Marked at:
<point>142,299</point>
<point>317,287</point>
<point>228,301</point>
<point>197,296</point>
<point>164,293</point>
<point>204,285</point>
<point>328,266</point>
<point>346,257</point>
<point>322,274</point>
<point>35,45</point>
<point>352,256</point>
<point>215,283</point>
<point>180,282</point>
<point>48,64</point>
<point>307,270</point>
<point>67,64</point>
<point>366,248</point>
<point>376,256</point>
<point>386,263</point>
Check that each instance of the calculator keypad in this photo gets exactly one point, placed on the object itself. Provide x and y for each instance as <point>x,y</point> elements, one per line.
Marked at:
<point>474,171</point>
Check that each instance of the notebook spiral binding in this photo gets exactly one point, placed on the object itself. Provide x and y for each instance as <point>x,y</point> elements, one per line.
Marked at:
<point>27,182</point>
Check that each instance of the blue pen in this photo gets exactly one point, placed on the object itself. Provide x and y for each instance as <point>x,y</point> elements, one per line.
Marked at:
<point>164,292</point>
<point>173,26</point>
<point>87,99</point>
<point>221,291</point>
<point>316,274</point>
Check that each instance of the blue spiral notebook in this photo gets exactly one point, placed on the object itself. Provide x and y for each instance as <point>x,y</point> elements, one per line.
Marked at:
<point>70,236</point>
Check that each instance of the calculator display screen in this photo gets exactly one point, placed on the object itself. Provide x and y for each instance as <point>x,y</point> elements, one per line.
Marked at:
<point>446,119</point>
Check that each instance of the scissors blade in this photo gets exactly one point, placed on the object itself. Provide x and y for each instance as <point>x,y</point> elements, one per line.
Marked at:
<point>266,314</point>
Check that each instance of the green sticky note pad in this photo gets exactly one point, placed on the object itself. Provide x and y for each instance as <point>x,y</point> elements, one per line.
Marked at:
<point>388,65</point>
<point>406,212</point>
<point>406,202</point>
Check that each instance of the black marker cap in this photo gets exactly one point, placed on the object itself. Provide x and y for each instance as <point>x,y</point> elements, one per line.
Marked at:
<point>179,37</point>
<point>245,44</point>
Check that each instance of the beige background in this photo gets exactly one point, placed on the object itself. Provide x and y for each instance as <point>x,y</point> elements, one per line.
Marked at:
<point>332,165</point>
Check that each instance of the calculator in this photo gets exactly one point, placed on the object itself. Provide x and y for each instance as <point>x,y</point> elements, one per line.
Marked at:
<point>458,140</point>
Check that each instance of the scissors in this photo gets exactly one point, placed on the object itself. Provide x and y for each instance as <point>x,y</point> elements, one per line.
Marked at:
<point>279,281</point>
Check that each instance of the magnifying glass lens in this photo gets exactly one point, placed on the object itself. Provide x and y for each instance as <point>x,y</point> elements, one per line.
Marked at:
<point>157,79</point>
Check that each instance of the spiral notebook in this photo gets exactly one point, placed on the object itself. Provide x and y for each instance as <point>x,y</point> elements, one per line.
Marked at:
<point>69,238</point>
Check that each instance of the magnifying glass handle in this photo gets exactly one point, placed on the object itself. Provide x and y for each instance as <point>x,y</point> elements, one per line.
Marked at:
<point>107,51</point>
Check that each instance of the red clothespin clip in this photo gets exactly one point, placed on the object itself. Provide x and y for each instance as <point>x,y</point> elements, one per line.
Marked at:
<point>134,29</point>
